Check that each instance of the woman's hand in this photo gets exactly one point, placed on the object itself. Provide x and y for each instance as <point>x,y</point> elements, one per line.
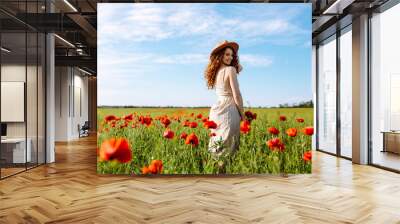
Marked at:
<point>242,118</point>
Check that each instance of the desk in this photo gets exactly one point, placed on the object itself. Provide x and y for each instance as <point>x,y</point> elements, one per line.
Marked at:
<point>15,148</point>
<point>391,141</point>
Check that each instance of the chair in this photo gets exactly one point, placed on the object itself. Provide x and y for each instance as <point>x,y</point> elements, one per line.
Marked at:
<point>84,130</point>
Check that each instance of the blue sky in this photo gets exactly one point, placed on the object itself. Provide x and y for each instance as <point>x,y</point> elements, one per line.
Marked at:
<point>152,54</point>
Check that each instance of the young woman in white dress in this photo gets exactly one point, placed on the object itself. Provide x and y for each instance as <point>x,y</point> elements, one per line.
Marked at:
<point>221,75</point>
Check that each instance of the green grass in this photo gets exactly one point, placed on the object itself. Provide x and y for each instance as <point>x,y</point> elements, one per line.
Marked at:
<point>254,156</point>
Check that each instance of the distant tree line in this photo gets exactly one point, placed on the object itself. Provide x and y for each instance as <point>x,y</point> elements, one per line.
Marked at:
<point>302,104</point>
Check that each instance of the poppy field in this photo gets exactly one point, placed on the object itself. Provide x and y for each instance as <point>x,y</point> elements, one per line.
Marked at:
<point>151,141</point>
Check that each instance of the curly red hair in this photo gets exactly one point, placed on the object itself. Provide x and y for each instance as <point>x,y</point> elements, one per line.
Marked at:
<point>215,63</point>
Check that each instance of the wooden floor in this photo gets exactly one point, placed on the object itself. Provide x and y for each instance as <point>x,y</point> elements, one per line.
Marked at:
<point>387,159</point>
<point>10,171</point>
<point>70,191</point>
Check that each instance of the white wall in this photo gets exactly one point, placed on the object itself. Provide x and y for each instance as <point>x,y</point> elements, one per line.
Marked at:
<point>33,126</point>
<point>81,94</point>
<point>16,72</point>
<point>71,87</point>
<point>62,81</point>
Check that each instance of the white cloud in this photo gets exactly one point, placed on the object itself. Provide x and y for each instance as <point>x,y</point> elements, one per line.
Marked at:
<point>255,60</point>
<point>182,59</point>
<point>122,58</point>
<point>132,59</point>
<point>153,22</point>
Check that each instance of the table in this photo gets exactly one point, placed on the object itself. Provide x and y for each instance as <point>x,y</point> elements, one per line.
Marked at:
<point>15,148</point>
<point>391,141</point>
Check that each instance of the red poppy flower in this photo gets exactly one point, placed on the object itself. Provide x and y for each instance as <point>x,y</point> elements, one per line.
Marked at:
<point>210,125</point>
<point>124,125</point>
<point>245,126</point>
<point>168,134</point>
<point>250,116</point>
<point>193,125</point>
<point>186,123</point>
<point>307,156</point>
<point>116,149</point>
<point>273,142</point>
<point>273,130</point>
<point>300,120</point>
<point>204,119</point>
<point>183,135</point>
<point>199,116</point>
<point>128,117</point>
<point>212,134</point>
<point>156,166</point>
<point>192,139</point>
<point>165,121</point>
<point>145,170</point>
<point>292,132</point>
<point>282,118</point>
<point>276,144</point>
<point>145,120</point>
<point>109,118</point>
<point>308,130</point>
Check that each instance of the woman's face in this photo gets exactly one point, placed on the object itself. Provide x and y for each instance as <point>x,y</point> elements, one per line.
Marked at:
<point>228,56</point>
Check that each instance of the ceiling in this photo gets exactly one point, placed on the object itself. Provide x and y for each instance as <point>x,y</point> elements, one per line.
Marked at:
<point>332,15</point>
<point>75,29</point>
<point>76,22</point>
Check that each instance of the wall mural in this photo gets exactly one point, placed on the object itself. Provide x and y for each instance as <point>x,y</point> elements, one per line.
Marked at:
<point>204,89</point>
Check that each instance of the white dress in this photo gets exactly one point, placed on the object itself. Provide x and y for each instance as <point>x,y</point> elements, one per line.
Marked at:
<point>225,112</point>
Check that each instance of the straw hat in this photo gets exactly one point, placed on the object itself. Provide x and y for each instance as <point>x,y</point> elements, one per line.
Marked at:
<point>223,44</point>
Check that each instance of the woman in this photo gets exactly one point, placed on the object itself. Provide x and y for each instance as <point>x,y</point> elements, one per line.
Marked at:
<point>221,74</point>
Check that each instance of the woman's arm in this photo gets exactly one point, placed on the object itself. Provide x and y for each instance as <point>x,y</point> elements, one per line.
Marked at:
<point>237,96</point>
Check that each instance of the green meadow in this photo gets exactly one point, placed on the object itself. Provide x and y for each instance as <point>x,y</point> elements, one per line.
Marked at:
<point>147,143</point>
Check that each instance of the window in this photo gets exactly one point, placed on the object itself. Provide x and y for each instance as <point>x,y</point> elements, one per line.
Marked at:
<point>346,92</point>
<point>385,88</point>
<point>327,95</point>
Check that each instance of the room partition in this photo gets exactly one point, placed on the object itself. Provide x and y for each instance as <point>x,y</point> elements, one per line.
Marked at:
<point>23,87</point>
